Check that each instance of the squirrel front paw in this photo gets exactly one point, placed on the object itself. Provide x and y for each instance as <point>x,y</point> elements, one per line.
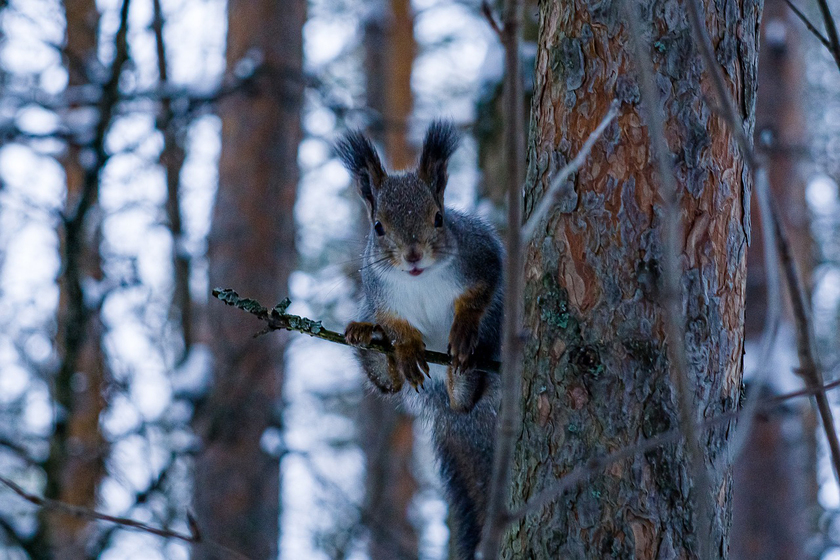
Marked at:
<point>362,334</point>
<point>463,339</point>
<point>409,362</point>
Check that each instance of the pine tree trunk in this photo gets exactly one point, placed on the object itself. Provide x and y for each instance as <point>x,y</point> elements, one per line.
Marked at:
<point>237,483</point>
<point>596,375</point>
<point>76,461</point>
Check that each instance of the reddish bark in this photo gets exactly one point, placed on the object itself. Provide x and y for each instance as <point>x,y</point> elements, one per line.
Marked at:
<point>596,374</point>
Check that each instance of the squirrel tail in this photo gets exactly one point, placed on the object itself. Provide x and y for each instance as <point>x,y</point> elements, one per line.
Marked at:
<point>464,447</point>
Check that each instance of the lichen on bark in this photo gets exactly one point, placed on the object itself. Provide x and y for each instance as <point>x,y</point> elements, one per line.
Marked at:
<point>596,373</point>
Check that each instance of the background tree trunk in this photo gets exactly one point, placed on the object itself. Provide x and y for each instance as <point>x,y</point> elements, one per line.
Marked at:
<point>596,375</point>
<point>775,509</point>
<point>387,432</point>
<point>237,484</point>
<point>76,461</point>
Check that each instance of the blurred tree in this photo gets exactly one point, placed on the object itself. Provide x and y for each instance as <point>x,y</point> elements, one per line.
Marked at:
<point>596,372</point>
<point>774,488</point>
<point>387,435</point>
<point>75,464</point>
<point>172,161</point>
<point>251,247</point>
<point>488,120</point>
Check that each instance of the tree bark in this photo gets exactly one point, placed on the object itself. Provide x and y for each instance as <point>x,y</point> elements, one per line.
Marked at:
<point>237,483</point>
<point>596,373</point>
<point>387,432</point>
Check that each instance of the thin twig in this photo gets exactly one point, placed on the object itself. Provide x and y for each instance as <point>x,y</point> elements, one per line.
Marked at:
<point>193,537</point>
<point>83,512</point>
<point>809,366</point>
<point>596,464</point>
<point>671,285</point>
<point>508,420</point>
<point>809,25</point>
<point>277,319</point>
<point>549,199</point>
<point>831,30</point>
<point>488,14</point>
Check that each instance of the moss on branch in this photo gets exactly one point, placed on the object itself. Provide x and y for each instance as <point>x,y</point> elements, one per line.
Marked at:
<point>276,319</point>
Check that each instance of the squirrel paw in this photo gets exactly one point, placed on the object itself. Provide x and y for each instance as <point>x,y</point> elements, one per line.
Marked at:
<point>362,334</point>
<point>463,339</point>
<point>408,362</point>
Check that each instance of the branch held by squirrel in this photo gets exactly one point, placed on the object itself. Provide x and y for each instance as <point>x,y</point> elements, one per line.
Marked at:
<point>276,319</point>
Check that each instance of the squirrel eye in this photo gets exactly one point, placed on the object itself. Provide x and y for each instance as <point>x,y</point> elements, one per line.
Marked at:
<point>377,227</point>
<point>438,220</point>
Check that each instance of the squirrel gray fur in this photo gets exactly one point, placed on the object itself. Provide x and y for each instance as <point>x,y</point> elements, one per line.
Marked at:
<point>432,278</point>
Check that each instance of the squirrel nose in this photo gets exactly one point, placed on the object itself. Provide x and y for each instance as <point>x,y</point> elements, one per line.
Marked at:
<point>413,256</point>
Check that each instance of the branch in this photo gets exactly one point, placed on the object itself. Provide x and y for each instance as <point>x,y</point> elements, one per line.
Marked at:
<point>193,537</point>
<point>488,14</point>
<point>809,25</point>
<point>831,29</point>
<point>549,199</point>
<point>509,417</point>
<point>809,366</point>
<point>78,511</point>
<point>277,319</point>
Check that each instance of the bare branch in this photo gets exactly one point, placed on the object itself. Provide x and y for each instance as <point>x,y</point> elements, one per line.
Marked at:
<point>831,29</point>
<point>809,366</point>
<point>78,511</point>
<point>508,418</point>
<point>549,199</point>
<point>671,285</point>
<point>487,11</point>
<point>193,537</point>
<point>276,319</point>
<point>809,25</point>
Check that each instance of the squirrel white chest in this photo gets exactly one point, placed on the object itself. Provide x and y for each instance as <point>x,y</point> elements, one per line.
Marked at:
<point>426,301</point>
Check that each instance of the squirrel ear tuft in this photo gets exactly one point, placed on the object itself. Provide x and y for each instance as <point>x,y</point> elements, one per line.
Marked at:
<point>440,143</point>
<point>359,156</point>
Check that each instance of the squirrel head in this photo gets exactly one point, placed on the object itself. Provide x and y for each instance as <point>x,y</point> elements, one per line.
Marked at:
<point>407,216</point>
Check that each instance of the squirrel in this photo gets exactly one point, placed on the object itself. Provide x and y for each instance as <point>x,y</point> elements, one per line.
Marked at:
<point>432,278</point>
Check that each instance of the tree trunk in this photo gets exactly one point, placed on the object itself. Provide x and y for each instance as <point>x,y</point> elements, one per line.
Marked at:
<point>171,159</point>
<point>76,461</point>
<point>237,483</point>
<point>387,435</point>
<point>596,373</point>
